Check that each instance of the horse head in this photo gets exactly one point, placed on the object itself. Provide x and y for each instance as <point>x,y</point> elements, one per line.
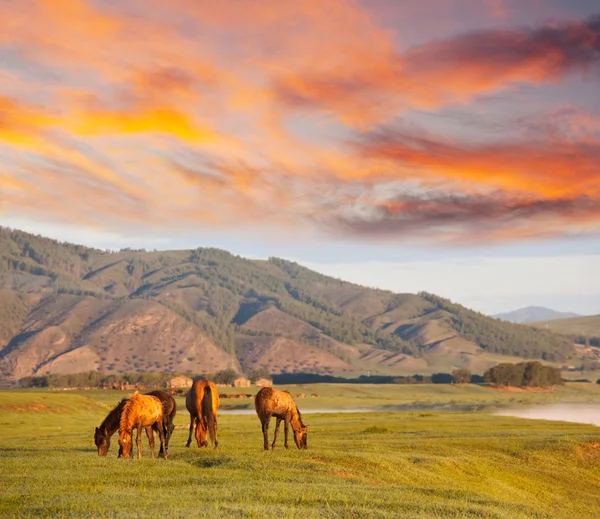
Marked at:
<point>102,441</point>
<point>125,443</point>
<point>202,433</point>
<point>300,436</point>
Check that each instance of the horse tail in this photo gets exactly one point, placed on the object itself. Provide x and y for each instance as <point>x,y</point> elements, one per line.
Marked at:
<point>210,413</point>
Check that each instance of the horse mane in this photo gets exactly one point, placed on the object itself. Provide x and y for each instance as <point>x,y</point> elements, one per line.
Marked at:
<point>299,415</point>
<point>127,412</point>
<point>114,413</point>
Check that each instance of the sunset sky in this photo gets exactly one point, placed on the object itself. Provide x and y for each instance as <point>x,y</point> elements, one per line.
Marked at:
<point>449,146</point>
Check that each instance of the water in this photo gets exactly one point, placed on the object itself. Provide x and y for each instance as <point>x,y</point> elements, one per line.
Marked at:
<point>579,413</point>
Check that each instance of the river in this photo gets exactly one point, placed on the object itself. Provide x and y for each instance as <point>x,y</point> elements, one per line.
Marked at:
<point>579,413</point>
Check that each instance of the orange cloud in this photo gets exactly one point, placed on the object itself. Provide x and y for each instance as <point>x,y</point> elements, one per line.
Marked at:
<point>153,120</point>
<point>549,168</point>
<point>175,111</point>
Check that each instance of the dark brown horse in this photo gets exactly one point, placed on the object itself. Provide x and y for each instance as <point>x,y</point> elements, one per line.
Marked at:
<point>110,425</point>
<point>141,411</point>
<point>169,411</point>
<point>280,404</point>
<point>202,402</point>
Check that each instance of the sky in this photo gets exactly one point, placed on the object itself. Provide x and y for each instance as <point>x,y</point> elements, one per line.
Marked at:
<point>447,146</point>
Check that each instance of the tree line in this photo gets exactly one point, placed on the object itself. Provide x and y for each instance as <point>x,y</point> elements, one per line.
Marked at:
<point>99,379</point>
<point>497,336</point>
<point>523,374</point>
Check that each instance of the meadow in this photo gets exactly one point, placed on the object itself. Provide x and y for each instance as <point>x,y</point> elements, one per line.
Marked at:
<point>421,462</point>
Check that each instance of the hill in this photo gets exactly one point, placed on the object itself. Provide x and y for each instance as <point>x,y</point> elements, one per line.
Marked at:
<point>66,308</point>
<point>531,314</point>
<point>581,329</point>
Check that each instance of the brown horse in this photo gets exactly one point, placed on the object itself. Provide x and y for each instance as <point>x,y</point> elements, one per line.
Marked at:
<point>169,411</point>
<point>280,404</point>
<point>110,425</point>
<point>202,402</point>
<point>141,411</point>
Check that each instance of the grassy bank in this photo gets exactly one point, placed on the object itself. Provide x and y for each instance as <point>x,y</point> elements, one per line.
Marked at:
<point>379,465</point>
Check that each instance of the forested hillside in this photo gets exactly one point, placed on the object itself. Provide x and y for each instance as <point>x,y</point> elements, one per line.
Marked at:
<point>68,308</point>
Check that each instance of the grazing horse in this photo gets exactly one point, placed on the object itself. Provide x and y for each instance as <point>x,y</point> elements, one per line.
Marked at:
<point>110,425</point>
<point>280,404</point>
<point>202,402</point>
<point>141,411</point>
<point>169,411</point>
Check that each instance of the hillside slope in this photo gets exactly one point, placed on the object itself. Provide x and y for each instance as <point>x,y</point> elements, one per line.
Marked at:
<point>531,314</point>
<point>66,308</point>
<point>578,328</point>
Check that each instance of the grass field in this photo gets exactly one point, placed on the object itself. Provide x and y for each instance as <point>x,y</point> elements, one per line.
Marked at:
<point>422,464</point>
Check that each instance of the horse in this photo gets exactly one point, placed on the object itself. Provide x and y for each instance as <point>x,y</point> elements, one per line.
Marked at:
<point>141,411</point>
<point>110,424</point>
<point>280,404</point>
<point>202,402</point>
<point>169,411</point>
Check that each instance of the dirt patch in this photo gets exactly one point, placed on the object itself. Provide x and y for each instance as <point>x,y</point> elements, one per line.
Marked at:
<point>452,464</point>
<point>344,474</point>
<point>31,406</point>
<point>588,451</point>
<point>512,389</point>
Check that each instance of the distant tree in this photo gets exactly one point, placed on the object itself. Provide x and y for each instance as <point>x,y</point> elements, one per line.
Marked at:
<point>524,374</point>
<point>226,376</point>
<point>257,374</point>
<point>442,378</point>
<point>461,376</point>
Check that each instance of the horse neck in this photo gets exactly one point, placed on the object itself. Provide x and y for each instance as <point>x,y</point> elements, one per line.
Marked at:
<point>296,420</point>
<point>127,416</point>
<point>111,422</point>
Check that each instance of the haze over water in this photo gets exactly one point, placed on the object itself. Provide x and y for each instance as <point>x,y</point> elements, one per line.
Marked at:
<point>580,413</point>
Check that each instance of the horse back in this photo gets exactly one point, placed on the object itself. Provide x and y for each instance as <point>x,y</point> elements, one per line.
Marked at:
<point>270,401</point>
<point>210,399</point>
<point>168,402</point>
<point>144,410</point>
<point>195,396</point>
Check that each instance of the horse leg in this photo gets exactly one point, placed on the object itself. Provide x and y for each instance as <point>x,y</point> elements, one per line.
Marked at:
<point>286,427</point>
<point>265,428</point>
<point>215,439</point>
<point>163,441</point>
<point>138,441</point>
<point>167,435</point>
<point>278,423</point>
<point>191,430</point>
<point>150,434</point>
<point>212,431</point>
<point>170,427</point>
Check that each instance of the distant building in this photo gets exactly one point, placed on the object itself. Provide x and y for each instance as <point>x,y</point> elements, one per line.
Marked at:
<point>242,382</point>
<point>263,382</point>
<point>180,382</point>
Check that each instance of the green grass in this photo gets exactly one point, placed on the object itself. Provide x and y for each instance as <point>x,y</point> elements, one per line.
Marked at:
<point>358,465</point>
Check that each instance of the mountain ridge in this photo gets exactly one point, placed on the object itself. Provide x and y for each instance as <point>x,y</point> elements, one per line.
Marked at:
<point>530,314</point>
<point>67,306</point>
